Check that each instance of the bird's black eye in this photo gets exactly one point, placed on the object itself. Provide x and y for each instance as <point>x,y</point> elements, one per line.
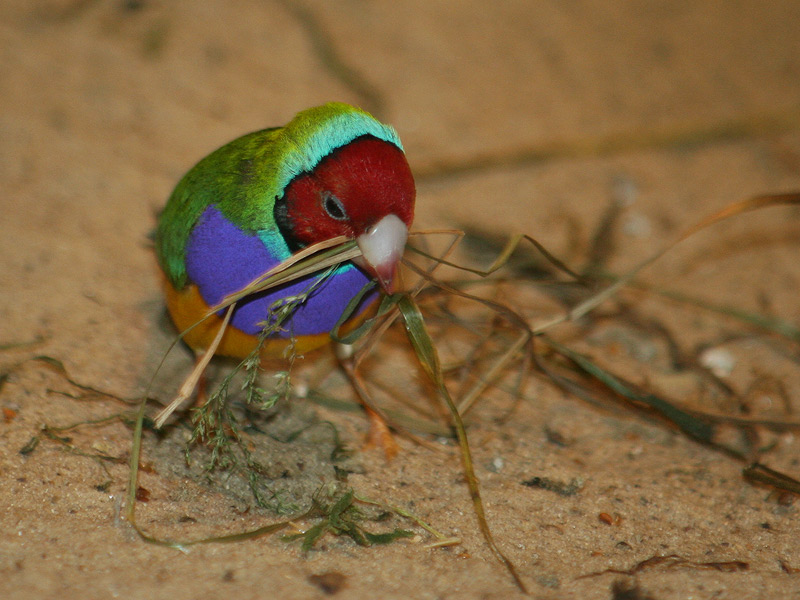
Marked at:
<point>334,207</point>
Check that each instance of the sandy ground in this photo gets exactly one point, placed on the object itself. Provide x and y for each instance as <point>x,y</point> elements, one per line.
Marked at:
<point>516,116</point>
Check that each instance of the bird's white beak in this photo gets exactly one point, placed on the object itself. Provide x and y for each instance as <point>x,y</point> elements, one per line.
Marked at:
<point>381,247</point>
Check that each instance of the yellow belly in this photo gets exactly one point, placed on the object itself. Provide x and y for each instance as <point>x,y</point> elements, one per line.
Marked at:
<point>187,307</point>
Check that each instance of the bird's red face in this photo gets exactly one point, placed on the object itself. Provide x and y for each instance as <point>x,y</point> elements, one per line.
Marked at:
<point>364,191</point>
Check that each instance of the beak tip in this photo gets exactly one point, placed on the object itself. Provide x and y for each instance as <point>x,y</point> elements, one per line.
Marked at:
<point>382,248</point>
<point>387,281</point>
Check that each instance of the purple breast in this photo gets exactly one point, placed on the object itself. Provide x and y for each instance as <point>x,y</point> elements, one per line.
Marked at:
<point>221,258</point>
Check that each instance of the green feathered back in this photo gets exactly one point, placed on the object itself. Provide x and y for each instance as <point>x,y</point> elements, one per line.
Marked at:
<point>245,177</point>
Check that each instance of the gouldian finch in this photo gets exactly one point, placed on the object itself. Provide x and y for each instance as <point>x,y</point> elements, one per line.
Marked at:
<point>333,170</point>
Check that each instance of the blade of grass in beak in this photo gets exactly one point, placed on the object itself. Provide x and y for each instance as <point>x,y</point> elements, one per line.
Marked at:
<point>306,262</point>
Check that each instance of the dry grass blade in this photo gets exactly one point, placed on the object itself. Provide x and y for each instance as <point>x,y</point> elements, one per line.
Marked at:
<point>502,259</point>
<point>497,367</point>
<point>688,423</point>
<point>763,474</point>
<point>191,381</point>
<point>732,210</point>
<point>764,322</point>
<point>429,360</point>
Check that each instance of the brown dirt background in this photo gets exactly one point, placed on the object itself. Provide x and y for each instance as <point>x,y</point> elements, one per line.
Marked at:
<point>516,116</point>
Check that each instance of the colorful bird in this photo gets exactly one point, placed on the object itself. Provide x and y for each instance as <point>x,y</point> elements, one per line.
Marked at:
<point>333,170</point>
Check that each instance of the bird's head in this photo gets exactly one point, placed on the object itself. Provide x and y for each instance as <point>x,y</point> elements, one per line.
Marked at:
<point>363,190</point>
